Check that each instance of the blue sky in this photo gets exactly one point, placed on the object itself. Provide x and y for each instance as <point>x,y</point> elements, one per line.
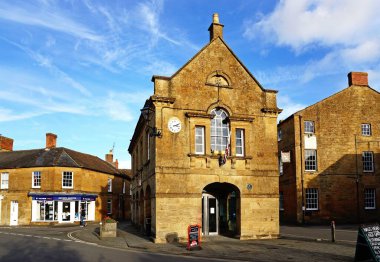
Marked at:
<point>82,69</point>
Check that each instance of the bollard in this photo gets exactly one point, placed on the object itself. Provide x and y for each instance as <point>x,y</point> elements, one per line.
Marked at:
<point>332,231</point>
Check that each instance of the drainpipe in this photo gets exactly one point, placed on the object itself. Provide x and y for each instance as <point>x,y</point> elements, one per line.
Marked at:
<point>302,181</point>
<point>357,182</point>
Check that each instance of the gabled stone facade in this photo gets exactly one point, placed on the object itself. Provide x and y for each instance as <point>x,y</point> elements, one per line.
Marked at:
<point>339,187</point>
<point>181,173</point>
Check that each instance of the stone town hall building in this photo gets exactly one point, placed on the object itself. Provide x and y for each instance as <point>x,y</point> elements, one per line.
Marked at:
<point>204,150</point>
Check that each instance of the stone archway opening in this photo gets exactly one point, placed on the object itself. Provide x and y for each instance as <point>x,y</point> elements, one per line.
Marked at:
<point>221,209</point>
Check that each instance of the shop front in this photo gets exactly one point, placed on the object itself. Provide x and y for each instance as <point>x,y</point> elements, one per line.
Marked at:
<point>62,208</point>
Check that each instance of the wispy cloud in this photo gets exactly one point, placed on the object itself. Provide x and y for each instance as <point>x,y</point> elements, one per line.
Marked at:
<point>119,106</point>
<point>50,19</point>
<point>47,63</point>
<point>7,115</point>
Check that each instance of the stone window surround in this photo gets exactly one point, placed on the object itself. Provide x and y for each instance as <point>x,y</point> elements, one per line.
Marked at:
<point>241,132</point>
<point>367,161</point>
<point>369,198</point>
<point>312,199</point>
<point>366,129</point>
<point>4,185</point>
<point>309,127</point>
<point>202,138</point>
<point>71,180</point>
<point>36,179</point>
<point>311,162</point>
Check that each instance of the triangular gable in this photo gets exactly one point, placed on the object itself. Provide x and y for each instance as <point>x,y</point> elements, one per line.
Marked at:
<point>233,54</point>
<point>333,96</point>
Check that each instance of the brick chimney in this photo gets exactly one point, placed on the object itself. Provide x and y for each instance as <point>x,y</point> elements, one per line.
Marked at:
<point>358,79</point>
<point>116,164</point>
<point>51,140</point>
<point>6,144</point>
<point>216,29</point>
<point>109,157</point>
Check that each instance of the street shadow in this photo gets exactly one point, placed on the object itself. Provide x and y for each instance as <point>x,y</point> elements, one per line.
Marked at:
<point>26,250</point>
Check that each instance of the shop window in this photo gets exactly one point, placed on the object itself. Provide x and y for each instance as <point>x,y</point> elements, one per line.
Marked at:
<point>366,129</point>
<point>311,199</point>
<point>109,206</point>
<point>370,198</point>
<point>367,158</point>
<point>36,179</point>
<point>239,142</point>
<point>67,179</point>
<point>199,140</point>
<point>46,210</point>
<point>310,160</point>
<point>109,185</point>
<point>309,127</point>
<point>4,180</point>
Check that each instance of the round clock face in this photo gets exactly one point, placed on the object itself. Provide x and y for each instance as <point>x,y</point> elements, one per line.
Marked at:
<point>174,125</point>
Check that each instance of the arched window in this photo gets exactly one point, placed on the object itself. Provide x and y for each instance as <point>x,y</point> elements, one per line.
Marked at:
<point>220,130</point>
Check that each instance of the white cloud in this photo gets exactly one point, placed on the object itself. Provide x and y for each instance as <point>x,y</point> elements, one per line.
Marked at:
<point>348,30</point>
<point>289,107</point>
<point>303,22</point>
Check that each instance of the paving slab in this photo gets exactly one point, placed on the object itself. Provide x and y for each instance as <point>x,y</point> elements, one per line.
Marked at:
<point>283,249</point>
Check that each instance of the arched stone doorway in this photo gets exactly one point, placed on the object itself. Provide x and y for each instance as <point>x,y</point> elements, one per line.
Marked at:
<point>221,209</point>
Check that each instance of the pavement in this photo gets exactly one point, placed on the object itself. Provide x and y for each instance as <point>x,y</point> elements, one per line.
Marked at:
<point>297,243</point>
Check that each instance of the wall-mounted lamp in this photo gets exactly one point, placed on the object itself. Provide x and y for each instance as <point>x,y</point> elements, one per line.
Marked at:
<point>147,113</point>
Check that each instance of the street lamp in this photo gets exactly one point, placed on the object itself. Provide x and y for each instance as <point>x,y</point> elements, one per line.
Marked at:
<point>147,113</point>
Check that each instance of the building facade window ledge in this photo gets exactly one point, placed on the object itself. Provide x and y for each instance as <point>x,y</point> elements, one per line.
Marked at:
<point>217,155</point>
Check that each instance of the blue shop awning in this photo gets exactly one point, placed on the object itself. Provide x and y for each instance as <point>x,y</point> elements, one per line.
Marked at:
<point>62,196</point>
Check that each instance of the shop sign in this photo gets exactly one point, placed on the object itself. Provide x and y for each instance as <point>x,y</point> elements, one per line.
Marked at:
<point>64,197</point>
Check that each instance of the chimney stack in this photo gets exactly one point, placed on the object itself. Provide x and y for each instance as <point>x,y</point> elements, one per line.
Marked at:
<point>358,79</point>
<point>51,140</point>
<point>6,144</point>
<point>109,157</point>
<point>216,29</point>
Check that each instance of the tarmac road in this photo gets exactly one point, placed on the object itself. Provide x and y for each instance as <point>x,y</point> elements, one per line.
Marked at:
<point>16,247</point>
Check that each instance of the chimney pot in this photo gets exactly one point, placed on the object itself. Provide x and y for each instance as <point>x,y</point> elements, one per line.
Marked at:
<point>215,18</point>
<point>51,140</point>
<point>358,79</point>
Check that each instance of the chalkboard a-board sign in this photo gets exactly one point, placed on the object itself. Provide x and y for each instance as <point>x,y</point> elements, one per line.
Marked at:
<point>368,243</point>
<point>193,237</point>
